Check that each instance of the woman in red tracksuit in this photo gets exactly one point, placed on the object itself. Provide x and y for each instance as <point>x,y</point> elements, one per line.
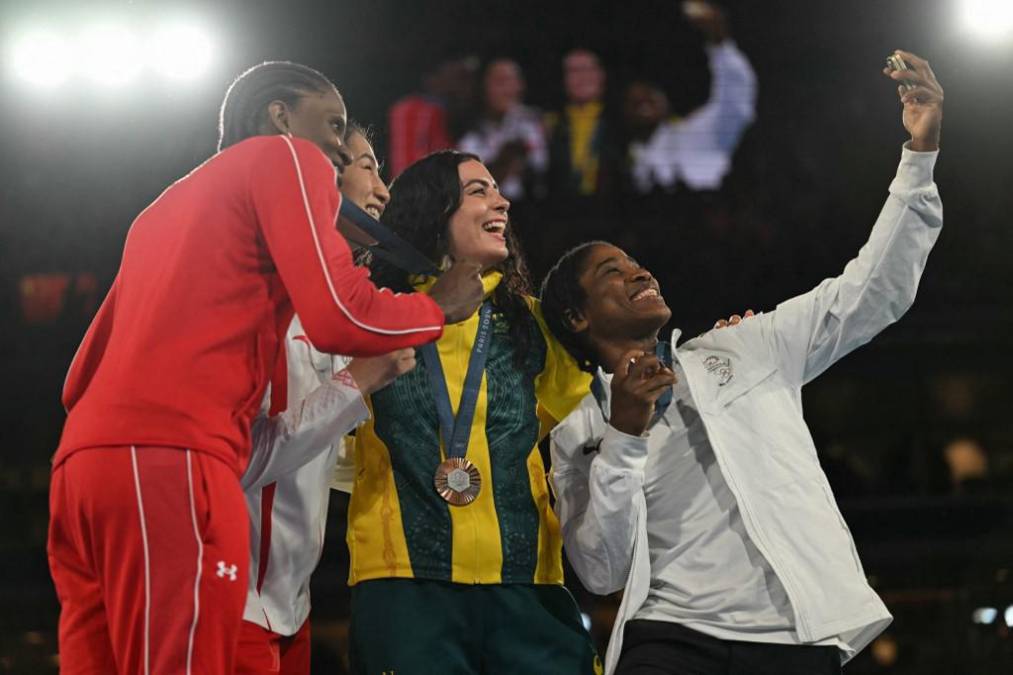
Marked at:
<point>148,539</point>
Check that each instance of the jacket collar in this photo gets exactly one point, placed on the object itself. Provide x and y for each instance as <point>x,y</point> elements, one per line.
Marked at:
<point>490,281</point>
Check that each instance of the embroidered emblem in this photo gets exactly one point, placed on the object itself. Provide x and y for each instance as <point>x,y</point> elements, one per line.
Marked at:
<point>722,367</point>
<point>224,571</point>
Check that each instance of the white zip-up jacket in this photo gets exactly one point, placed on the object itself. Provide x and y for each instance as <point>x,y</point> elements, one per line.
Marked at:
<point>287,483</point>
<point>747,383</point>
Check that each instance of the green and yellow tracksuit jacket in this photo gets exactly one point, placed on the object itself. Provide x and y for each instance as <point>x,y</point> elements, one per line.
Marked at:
<point>398,526</point>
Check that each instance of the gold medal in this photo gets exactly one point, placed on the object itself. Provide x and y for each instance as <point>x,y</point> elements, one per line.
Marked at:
<point>458,481</point>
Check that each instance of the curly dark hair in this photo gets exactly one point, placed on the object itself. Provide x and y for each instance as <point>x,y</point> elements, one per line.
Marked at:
<point>563,296</point>
<point>422,200</point>
<point>246,100</point>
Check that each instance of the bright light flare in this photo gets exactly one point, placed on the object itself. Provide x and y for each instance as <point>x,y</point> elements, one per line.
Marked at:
<point>42,58</point>
<point>1008,616</point>
<point>988,18</point>
<point>180,52</point>
<point>984,615</point>
<point>110,54</point>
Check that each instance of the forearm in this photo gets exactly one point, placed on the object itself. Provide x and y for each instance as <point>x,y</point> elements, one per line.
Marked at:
<point>598,514</point>
<point>878,286</point>
<point>357,319</point>
<point>283,443</point>
<point>732,101</point>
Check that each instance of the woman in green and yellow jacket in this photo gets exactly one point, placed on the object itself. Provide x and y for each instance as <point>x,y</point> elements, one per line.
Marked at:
<point>455,551</point>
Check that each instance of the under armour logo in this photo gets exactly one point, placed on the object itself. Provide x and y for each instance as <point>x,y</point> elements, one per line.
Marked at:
<point>223,571</point>
<point>722,367</point>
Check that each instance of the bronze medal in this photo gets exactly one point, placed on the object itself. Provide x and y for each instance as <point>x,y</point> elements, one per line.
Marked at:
<point>458,481</point>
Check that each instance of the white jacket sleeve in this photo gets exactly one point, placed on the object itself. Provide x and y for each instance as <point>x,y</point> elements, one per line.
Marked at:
<point>287,441</point>
<point>731,106</point>
<point>598,497</point>
<point>812,331</point>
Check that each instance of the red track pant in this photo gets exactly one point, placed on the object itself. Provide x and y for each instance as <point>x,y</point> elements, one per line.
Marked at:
<point>149,552</point>
<point>262,652</point>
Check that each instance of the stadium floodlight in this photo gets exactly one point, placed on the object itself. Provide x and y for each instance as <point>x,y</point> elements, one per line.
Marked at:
<point>110,54</point>
<point>180,51</point>
<point>42,58</point>
<point>988,18</point>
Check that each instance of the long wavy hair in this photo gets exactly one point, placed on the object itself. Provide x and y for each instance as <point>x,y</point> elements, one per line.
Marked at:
<point>422,201</point>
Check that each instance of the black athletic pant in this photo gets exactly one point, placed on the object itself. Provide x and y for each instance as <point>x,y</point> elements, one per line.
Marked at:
<point>663,648</point>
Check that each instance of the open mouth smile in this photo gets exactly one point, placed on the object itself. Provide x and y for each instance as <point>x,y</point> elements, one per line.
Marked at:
<point>647,294</point>
<point>495,227</point>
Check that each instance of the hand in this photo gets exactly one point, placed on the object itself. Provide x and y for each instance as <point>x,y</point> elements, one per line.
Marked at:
<point>923,105</point>
<point>637,382</point>
<point>459,291</point>
<point>510,161</point>
<point>707,19</point>
<point>734,319</point>
<point>376,372</point>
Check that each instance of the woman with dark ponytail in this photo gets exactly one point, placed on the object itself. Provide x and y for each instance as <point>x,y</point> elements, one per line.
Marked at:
<point>455,551</point>
<point>148,540</point>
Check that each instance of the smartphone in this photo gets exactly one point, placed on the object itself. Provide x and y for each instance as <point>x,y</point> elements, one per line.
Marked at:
<point>895,62</point>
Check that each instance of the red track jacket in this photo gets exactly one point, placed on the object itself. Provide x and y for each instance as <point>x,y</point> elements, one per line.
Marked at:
<point>183,346</point>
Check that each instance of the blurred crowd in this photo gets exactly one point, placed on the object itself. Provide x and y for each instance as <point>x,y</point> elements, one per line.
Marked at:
<point>597,143</point>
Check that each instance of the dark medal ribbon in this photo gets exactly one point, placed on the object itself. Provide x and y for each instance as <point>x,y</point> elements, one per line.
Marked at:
<point>457,480</point>
<point>385,244</point>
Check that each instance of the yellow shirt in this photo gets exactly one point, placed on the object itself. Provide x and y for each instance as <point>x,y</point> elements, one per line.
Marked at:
<point>400,527</point>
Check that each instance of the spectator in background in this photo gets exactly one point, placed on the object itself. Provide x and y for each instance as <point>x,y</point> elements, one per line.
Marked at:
<point>967,462</point>
<point>509,136</point>
<point>423,123</point>
<point>581,154</point>
<point>695,150</point>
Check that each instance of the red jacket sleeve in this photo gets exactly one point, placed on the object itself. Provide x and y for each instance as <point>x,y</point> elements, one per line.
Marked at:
<point>296,199</point>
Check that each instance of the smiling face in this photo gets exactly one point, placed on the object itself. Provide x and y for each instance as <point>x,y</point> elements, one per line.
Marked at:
<point>361,182</point>
<point>477,229</point>
<point>623,300</point>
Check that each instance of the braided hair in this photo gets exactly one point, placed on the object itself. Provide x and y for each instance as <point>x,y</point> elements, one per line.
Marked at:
<point>422,201</point>
<point>242,111</point>
<point>562,296</point>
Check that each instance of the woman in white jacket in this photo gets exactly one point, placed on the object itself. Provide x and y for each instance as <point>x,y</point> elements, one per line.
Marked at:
<point>690,479</point>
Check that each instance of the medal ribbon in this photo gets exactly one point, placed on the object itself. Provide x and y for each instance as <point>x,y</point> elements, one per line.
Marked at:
<point>456,430</point>
<point>663,350</point>
<point>389,246</point>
